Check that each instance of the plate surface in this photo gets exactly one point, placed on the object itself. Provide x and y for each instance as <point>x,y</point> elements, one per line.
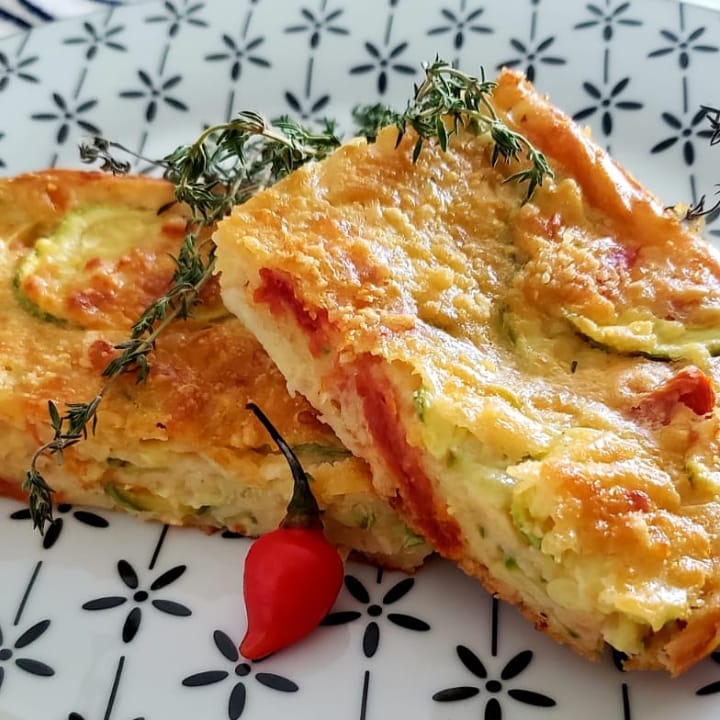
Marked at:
<point>114,618</point>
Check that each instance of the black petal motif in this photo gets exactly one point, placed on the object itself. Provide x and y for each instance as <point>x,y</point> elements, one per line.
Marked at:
<point>493,710</point>
<point>709,689</point>
<point>34,667</point>
<point>128,574</point>
<point>52,533</point>
<point>276,682</point>
<point>397,591</point>
<point>409,622</point>
<point>172,608</point>
<point>104,603</point>
<point>516,665</point>
<point>236,704</point>
<point>170,576</point>
<point>463,692</point>
<point>341,617</point>
<point>531,698</point>
<point>91,519</point>
<point>132,624</point>
<point>371,639</point>
<point>226,646</point>
<point>357,589</point>
<point>471,661</point>
<point>205,678</point>
<point>31,634</point>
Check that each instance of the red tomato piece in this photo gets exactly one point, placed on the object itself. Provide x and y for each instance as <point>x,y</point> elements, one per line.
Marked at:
<point>690,387</point>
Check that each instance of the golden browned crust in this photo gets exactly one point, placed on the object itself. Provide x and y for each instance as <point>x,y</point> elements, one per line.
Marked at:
<point>580,482</point>
<point>181,448</point>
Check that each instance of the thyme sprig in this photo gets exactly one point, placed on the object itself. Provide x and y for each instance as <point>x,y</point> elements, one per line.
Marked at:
<point>223,167</point>
<point>699,209</point>
<point>446,101</point>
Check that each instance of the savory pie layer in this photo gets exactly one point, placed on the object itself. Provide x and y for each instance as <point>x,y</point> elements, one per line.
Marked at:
<point>82,255</point>
<point>532,383</point>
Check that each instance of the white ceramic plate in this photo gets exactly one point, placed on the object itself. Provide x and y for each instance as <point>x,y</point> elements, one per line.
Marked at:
<point>114,618</point>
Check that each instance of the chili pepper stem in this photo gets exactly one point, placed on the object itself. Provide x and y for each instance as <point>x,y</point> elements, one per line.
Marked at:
<point>302,510</point>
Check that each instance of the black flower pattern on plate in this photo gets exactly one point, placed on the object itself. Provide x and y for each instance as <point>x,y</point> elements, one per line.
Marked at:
<point>241,669</point>
<point>310,108</point>
<point>238,53</point>
<point>530,55</point>
<point>493,686</point>
<point>605,101</point>
<point>178,15</point>
<point>9,652</point>
<point>53,531</point>
<point>685,131</point>
<point>608,18</point>
<point>459,23</point>
<point>683,45</point>
<point>371,635</point>
<point>94,39</point>
<point>317,23</point>
<point>18,68</point>
<point>68,113</point>
<point>139,597</point>
<point>155,92</point>
<point>383,61</point>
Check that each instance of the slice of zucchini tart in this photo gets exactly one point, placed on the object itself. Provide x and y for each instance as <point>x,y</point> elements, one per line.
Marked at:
<point>533,383</point>
<point>83,254</point>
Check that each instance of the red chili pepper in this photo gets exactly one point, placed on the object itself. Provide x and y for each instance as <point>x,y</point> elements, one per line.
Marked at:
<point>293,574</point>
